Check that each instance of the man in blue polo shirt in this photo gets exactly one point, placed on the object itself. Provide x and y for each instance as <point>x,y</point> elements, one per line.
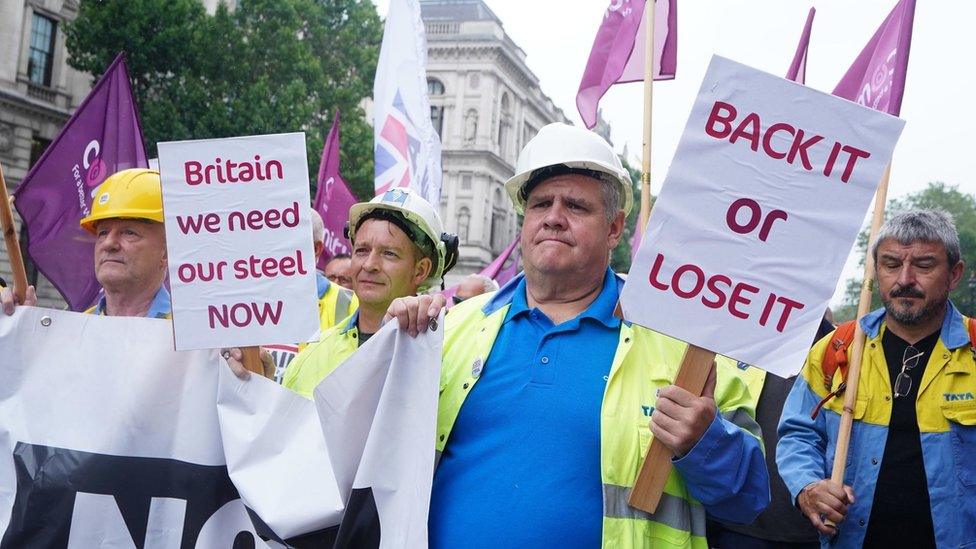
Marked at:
<point>548,401</point>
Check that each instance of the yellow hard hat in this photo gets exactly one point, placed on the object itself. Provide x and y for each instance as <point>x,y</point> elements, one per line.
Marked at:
<point>134,193</point>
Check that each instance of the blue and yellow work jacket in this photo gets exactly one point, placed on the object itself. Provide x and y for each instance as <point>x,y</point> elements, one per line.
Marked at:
<point>161,307</point>
<point>724,474</point>
<point>946,411</point>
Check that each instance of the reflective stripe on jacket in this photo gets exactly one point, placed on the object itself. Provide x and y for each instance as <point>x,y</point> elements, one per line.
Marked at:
<point>946,412</point>
<point>320,358</point>
<point>724,474</point>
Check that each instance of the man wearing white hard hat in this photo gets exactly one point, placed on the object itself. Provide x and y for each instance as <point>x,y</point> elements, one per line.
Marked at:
<point>398,249</point>
<point>548,401</point>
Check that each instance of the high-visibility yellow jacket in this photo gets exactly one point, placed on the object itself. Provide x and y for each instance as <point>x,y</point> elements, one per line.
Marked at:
<point>946,412</point>
<point>335,302</point>
<point>724,474</point>
<point>319,359</point>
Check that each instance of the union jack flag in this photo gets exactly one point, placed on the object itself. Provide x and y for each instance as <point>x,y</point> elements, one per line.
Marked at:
<point>397,150</point>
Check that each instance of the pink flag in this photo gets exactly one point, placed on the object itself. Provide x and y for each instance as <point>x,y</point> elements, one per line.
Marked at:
<point>102,137</point>
<point>618,51</point>
<point>496,270</point>
<point>332,198</point>
<point>798,68</point>
<point>877,77</point>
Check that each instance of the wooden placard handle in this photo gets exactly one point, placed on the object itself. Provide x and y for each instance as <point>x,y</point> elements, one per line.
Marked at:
<point>252,360</point>
<point>13,246</point>
<point>692,374</point>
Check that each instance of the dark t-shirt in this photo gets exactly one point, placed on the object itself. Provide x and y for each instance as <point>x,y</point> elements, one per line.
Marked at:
<point>901,515</point>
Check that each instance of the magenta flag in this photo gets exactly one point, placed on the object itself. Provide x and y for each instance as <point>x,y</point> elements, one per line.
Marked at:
<point>798,68</point>
<point>333,198</point>
<point>877,77</point>
<point>496,270</point>
<point>102,137</point>
<point>618,51</point>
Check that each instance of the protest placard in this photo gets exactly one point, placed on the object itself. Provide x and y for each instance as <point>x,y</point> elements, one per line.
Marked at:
<point>239,240</point>
<point>762,203</point>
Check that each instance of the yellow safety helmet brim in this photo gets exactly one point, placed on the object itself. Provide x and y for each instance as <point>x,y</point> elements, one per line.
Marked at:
<point>132,194</point>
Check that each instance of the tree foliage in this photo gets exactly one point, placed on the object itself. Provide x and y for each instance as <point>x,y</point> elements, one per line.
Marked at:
<point>268,66</point>
<point>936,195</point>
<point>621,256</point>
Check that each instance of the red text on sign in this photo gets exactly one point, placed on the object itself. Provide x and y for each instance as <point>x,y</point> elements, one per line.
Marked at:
<point>228,171</point>
<point>244,314</point>
<point>721,125</point>
<point>719,291</point>
<point>261,219</point>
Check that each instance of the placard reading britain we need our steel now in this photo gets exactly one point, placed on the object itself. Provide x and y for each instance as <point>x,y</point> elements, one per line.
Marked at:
<point>239,240</point>
<point>763,201</point>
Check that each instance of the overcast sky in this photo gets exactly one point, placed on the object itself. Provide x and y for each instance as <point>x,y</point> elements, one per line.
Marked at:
<point>556,36</point>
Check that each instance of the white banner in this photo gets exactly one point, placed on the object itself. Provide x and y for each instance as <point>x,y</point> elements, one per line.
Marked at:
<point>763,201</point>
<point>379,416</point>
<point>109,438</point>
<point>406,145</point>
<point>239,240</point>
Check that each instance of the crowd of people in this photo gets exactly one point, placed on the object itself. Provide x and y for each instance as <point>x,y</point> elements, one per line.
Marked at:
<point>548,400</point>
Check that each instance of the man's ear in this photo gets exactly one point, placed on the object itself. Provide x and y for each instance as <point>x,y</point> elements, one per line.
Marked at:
<point>617,229</point>
<point>422,270</point>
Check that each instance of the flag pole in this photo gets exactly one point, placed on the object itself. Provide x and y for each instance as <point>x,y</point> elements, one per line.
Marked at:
<point>645,201</point>
<point>857,352</point>
<point>13,246</point>
<point>696,362</point>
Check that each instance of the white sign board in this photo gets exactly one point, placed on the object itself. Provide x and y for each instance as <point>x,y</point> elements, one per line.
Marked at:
<point>763,201</point>
<point>239,239</point>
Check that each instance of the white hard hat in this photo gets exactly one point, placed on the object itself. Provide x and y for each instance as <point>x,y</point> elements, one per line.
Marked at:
<point>419,214</point>
<point>575,148</point>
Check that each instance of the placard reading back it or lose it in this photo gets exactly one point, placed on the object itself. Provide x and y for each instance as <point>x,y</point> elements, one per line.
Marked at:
<point>239,239</point>
<point>763,201</point>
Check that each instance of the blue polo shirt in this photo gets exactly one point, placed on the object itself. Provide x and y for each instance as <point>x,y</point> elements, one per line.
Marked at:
<point>159,308</point>
<point>522,466</point>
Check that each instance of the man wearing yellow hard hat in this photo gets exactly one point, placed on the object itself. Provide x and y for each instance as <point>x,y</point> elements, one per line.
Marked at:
<point>130,247</point>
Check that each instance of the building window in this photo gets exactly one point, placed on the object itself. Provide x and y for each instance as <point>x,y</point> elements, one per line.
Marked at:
<point>437,119</point>
<point>465,182</point>
<point>41,59</point>
<point>435,87</point>
<point>38,146</point>
<point>464,221</point>
<point>504,123</point>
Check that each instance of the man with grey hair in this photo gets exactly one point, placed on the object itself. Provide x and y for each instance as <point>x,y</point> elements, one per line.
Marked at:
<point>335,301</point>
<point>546,396</point>
<point>914,434</point>
<point>472,285</point>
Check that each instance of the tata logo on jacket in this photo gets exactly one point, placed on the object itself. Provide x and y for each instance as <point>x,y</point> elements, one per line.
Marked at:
<point>958,396</point>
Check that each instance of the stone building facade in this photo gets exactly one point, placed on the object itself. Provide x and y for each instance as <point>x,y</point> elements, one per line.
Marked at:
<point>38,92</point>
<point>486,104</point>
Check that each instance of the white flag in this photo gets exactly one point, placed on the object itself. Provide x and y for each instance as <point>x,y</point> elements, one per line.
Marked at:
<point>407,148</point>
<point>109,438</point>
<point>379,416</point>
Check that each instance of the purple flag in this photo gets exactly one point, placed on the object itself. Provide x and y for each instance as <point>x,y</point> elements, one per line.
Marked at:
<point>102,137</point>
<point>618,51</point>
<point>877,77</point>
<point>798,68</point>
<point>496,270</point>
<point>332,198</point>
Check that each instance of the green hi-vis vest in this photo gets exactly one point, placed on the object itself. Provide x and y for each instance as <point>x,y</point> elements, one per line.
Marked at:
<point>644,362</point>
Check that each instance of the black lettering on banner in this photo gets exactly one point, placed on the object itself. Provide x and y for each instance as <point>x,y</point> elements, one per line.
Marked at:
<point>51,482</point>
